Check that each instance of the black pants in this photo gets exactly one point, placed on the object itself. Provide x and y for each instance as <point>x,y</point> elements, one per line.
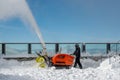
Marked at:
<point>77,61</point>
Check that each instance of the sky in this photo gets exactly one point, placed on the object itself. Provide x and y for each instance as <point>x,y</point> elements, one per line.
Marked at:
<point>65,21</point>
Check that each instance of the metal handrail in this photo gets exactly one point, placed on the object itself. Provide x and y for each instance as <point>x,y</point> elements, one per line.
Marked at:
<point>29,47</point>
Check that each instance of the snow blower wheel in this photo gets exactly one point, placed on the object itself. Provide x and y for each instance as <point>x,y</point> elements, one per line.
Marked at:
<point>41,61</point>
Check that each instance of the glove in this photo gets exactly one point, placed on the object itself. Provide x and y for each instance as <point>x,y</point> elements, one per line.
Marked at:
<point>71,54</point>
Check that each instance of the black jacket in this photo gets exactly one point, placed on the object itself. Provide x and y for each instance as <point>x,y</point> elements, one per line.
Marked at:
<point>77,52</point>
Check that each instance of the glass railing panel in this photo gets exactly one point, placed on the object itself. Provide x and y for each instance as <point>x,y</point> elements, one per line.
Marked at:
<point>118,48</point>
<point>17,49</point>
<point>113,48</point>
<point>38,48</point>
<point>50,49</point>
<point>67,48</point>
<point>96,49</point>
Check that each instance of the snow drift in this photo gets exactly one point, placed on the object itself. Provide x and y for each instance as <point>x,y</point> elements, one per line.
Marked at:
<point>27,70</point>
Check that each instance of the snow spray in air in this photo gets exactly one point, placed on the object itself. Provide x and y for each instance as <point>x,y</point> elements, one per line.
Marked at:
<point>20,8</point>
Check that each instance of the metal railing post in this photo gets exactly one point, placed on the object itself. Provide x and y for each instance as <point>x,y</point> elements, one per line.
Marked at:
<point>29,48</point>
<point>83,48</point>
<point>4,48</point>
<point>57,47</point>
<point>108,48</point>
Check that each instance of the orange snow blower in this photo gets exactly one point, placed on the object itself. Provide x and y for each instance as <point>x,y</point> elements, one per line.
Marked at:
<point>62,60</point>
<point>59,60</point>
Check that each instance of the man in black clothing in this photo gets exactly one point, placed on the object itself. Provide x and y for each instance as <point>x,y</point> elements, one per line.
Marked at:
<point>77,53</point>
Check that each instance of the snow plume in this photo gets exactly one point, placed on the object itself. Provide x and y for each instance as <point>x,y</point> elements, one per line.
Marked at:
<point>19,8</point>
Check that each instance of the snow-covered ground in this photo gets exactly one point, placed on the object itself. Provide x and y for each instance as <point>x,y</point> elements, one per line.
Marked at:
<point>108,69</point>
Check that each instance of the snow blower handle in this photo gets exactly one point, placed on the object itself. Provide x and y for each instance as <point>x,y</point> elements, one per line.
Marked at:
<point>39,54</point>
<point>72,54</point>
